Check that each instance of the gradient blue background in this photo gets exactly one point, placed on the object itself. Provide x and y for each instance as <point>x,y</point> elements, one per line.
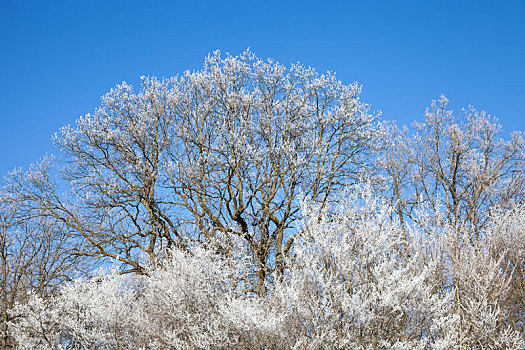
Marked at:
<point>58,58</point>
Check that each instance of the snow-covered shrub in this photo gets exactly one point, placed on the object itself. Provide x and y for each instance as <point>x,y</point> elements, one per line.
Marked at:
<point>190,302</point>
<point>194,302</point>
<point>358,281</point>
<point>482,293</point>
<point>355,283</point>
<point>101,312</point>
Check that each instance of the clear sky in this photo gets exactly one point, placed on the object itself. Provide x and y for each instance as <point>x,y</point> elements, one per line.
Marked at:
<point>58,57</point>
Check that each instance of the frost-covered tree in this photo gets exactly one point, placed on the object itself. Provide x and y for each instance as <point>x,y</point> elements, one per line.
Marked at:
<point>359,280</point>
<point>252,136</point>
<point>450,177</point>
<point>36,256</point>
<point>229,148</point>
<point>460,166</point>
<point>506,241</point>
<point>349,286</point>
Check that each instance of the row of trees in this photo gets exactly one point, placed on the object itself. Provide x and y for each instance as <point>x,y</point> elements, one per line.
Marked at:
<point>215,192</point>
<point>346,287</point>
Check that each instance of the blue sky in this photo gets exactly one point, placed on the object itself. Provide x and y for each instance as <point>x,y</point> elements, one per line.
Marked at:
<point>57,58</point>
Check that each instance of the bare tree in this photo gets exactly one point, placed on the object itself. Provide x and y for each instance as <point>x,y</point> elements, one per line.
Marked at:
<point>450,177</point>
<point>461,167</point>
<point>104,188</point>
<point>35,256</point>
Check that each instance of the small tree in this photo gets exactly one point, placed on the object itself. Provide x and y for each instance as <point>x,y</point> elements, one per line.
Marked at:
<point>459,170</point>
<point>36,256</point>
<point>460,167</point>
